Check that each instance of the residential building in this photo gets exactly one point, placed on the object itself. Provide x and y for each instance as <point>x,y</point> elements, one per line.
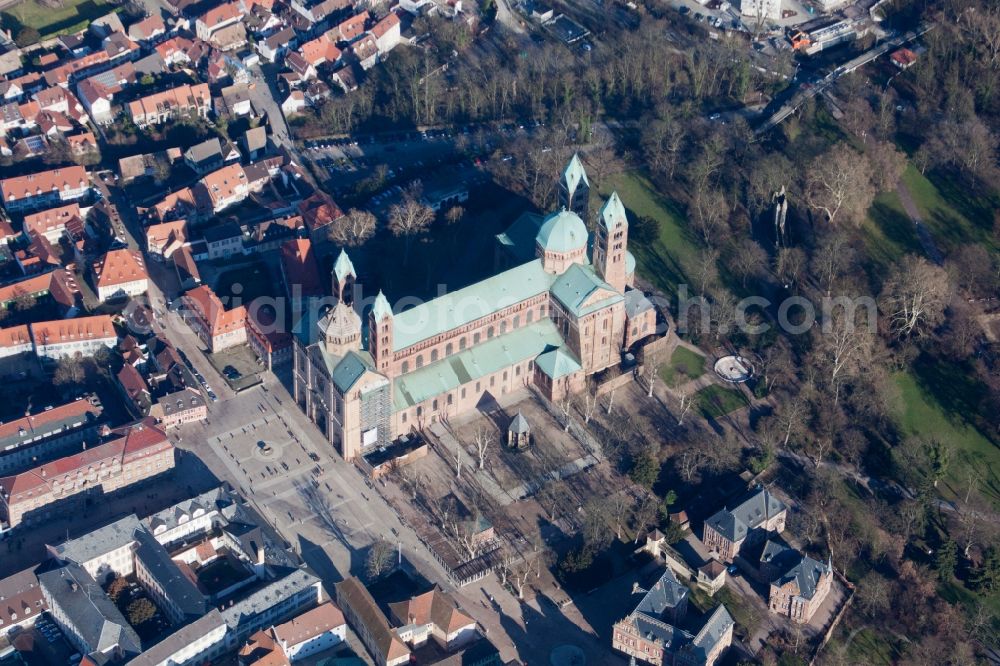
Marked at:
<point>163,239</point>
<point>224,240</point>
<point>88,618</point>
<point>59,285</point>
<point>185,406</point>
<point>750,520</point>
<point>549,322</point>
<point>658,631</point>
<point>315,630</point>
<point>200,642</point>
<point>362,613</point>
<point>148,28</point>
<point>217,327</point>
<point>17,355</point>
<point>139,452</point>
<point>317,211</point>
<point>66,338</point>
<point>22,601</point>
<point>433,613</point>
<point>42,190</point>
<point>281,599</point>
<point>275,46</point>
<point>798,583</point>
<point>205,156</point>
<point>217,18</point>
<point>387,33</point>
<point>54,222</point>
<point>270,342</point>
<point>53,431</point>
<point>121,273</point>
<point>226,186</point>
<point>162,106</point>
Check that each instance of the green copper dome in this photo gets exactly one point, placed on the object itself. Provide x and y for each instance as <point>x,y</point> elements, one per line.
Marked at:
<point>562,232</point>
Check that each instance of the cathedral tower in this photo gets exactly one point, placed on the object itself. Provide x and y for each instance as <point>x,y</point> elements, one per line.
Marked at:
<point>610,243</point>
<point>574,188</point>
<point>380,323</point>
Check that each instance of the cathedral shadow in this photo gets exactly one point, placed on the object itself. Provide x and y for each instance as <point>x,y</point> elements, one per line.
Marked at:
<point>316,559</point>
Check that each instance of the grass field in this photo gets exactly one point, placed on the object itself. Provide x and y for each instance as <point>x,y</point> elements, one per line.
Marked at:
<point>666,260</point>
<point>72,16</point>
<point>888,233</point>
<point>684,365</point>
<point>929,404</point>
<point>952,215</point>
<point>715,401</point>
<point>871,647</point>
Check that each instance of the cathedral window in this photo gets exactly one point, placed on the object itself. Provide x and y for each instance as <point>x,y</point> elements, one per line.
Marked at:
<point>420,361</point>
<point>406,367</point>
<point>434,355</point>
<point>530,316</point>
<point>489,333</point>
<point>448,349</point>
<point>461,343</point>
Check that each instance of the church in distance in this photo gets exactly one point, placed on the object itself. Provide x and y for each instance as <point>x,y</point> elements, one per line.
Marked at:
<point>562,313</point>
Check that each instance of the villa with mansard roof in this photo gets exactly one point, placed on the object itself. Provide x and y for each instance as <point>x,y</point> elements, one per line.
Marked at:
<point>557,317</point>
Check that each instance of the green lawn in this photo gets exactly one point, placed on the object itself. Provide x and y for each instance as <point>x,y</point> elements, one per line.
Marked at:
<point>72,16</point>
<point>888,233</point>
<point>665,260</point>
<point>715,401</point>
<point>871,647</point>
<point>684,365</point>
<point>929,403</point>
<point>953,216</point>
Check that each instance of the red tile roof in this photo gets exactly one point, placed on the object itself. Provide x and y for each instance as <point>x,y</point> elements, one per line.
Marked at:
<point>51,219</point>
<point>310,624</point>
<point>120,267</point>
<point>136,441</point>
<point>300,268</point>
<point>72,330</point>
<point>14,336</point>
<point>39,422</point>
<point>217,319</point>
<point>23,187</point>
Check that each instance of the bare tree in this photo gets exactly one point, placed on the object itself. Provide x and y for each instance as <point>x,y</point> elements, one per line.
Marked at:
<point>915,296</point>
<point>409,218</point>
<point>845,348</point>
<point>839,185</point>
<point>454,215</point>
<point>379,559</point>
<point>685,407</point>
<point>484,440</point>
<point>354,228</point>
<point>711,210</point>
<point>589,402</point>
<point>651,362</point>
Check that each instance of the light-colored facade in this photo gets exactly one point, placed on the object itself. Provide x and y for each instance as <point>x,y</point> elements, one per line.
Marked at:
<point>159,107</point>
<point>750,520</point>
<point>141,452</point>
<point>68,338</point>
<point>45,189</point>
<point>549,322</point>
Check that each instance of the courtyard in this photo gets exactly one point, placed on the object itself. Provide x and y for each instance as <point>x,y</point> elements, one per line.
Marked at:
<point>238,366</point>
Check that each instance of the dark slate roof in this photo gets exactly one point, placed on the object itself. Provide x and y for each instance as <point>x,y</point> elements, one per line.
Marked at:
<point>636,303</point>
<point>666,594</point>
<point>746,514</point>
<point>519,424</point>
<point>713,631</point>
<point>806,573</point>
<point>223,231</point>
<point>176,587</point>
<point>779,554</point>
<point>90,613</point>
<point>669,636</point>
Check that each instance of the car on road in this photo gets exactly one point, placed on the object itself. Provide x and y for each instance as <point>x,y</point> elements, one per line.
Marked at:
<point>212,396</point>
<point>684,10</point>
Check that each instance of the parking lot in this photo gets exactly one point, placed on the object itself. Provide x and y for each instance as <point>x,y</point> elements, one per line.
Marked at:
<point>238,366</point>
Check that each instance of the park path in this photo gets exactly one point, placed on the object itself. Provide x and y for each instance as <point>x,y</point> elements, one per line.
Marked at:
<point>926,240</point>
